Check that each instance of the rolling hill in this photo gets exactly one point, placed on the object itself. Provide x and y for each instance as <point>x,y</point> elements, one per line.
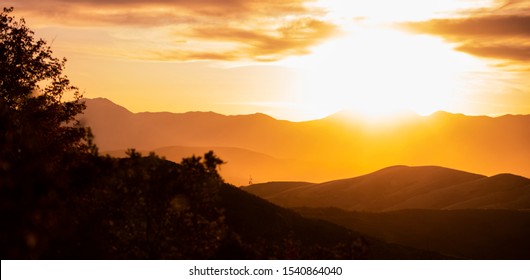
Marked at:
<point>403,187</point>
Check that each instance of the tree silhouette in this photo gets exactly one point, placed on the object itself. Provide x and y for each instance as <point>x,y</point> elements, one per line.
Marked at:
<point>35,120</point>
<point>39,139</point>
<point>211,162</point>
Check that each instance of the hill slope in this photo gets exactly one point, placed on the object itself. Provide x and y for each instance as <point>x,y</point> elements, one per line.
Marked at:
<point>259,222</point>
<point>468,234</point>
<point>402,187</point>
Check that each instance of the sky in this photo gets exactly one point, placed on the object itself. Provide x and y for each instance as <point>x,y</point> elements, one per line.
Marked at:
<point>293,59</point>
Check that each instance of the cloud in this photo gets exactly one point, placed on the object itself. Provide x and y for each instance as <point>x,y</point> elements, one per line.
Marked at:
<point>195,29</point>
<point>488,26</point>
<point>500,32</point>
<point>157,12</point>
<point>512,52</point>
<point>293,38</point>
<point>509,4</point>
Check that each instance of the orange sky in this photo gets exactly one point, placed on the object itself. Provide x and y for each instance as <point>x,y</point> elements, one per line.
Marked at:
<point>293,59</point>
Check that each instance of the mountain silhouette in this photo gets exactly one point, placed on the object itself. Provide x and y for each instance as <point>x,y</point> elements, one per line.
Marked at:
<point>322,150</point>
<point>116,128</point>
<point>403,187</point>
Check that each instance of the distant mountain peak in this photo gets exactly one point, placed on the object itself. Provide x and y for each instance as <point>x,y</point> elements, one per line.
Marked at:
<point>98,99</point>
<point>103,103</point>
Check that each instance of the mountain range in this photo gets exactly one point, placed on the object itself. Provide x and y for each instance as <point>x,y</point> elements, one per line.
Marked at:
<point>265,149</point>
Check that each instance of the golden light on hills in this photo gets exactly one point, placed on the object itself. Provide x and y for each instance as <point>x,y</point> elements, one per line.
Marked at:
<point>267,149</point>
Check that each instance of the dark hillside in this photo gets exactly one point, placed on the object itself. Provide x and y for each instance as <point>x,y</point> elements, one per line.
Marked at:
<point>467,234</point>
<point>260,222</point>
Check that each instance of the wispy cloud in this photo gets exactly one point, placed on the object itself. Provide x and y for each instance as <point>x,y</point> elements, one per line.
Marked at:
<point>196,29</point>
<point>520,51</point>
<point>476,27</point>
<point>293,38</point>
<point>501,32</point>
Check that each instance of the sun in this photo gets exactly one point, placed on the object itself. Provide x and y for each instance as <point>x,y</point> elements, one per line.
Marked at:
<point>380,72</point>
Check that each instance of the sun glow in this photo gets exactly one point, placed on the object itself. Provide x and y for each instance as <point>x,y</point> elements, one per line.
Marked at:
<point>380,72</point>
<point>295,60</point>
